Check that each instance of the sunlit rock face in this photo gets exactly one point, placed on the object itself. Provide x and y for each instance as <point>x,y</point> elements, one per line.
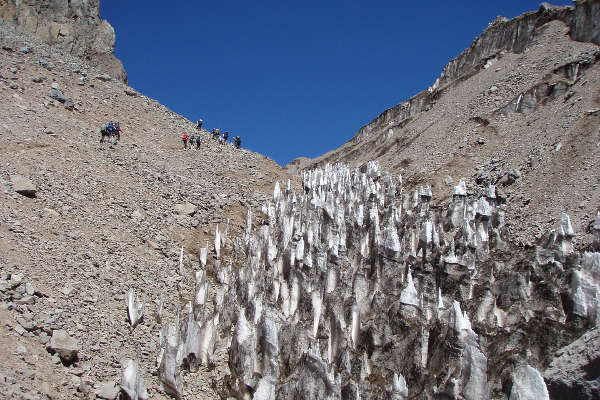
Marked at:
<point>75,26</point>
<point>353,289</point>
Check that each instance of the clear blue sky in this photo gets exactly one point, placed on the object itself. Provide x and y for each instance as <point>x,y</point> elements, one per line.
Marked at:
<point>292,78</point>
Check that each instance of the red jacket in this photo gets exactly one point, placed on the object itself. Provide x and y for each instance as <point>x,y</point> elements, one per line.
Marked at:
<point>185,137</point>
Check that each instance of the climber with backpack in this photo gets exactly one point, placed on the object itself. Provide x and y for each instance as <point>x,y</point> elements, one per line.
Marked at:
<point>199,124</point>
<point>198,142</point>
<point>103,133</point>
<point>185,139</point>
<point>237,142</point>
<point>225,136</point>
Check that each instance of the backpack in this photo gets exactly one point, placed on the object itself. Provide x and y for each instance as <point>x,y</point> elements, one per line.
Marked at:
<point>185,137</point>
<point>198,140</point>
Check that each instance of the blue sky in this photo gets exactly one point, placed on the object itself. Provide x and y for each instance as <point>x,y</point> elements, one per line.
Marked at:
<point>292,78</point>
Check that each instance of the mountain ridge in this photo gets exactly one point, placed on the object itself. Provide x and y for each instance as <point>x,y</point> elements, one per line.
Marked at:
<point>501,34</point>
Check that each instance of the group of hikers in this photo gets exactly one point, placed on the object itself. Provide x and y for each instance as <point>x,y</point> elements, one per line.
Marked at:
<point>190,140</point>
<point>110,132</point>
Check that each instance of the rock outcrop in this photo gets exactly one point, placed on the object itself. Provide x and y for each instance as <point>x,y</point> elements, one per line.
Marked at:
<point>575,373</point>
<point>75,26</point>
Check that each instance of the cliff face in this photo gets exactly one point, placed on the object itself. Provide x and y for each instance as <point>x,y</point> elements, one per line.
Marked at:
<point>74,25</point>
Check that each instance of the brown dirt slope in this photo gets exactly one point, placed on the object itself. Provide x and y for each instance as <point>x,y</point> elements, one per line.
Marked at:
<point>103,220</point>
<point>533,109</point>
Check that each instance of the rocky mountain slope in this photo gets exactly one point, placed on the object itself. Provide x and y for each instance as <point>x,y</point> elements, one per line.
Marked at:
<point>103,219</point>
<point>74,26</point>
<point>141,270</point>
<point>519,109</point>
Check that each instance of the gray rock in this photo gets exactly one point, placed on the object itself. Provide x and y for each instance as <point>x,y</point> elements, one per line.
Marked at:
<point>25,50</point>
<point>448,180</point>
<point>103,77</point>
<point>575,374</point>
<point>69,105</point>
<point>64,345</point>
<point>27,324</point>
<point>137,214</point>
<point>510,178</point>
<point>185,209</point>
<point>25,300</point>
<point>44,338</point>
<point>130,92</point>
<point>15,280</point>
<point>46,64</point>
<point>14,86</point>
<point>107,390</point>
<point>29,289</point>
<point>54,85</point>
<point>23,186</point>
<point>37,80</point>
<point>57,95</point>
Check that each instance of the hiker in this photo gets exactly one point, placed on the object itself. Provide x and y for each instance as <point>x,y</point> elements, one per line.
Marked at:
<point>103,133</point>
<point>225,136</point>
<point>198,142</point>
<point>192,140</point>
<point>118,130</point>
<point>111,128</point>
<point>215,134</point>
<point>199,124</point>
<point>185,139</point>
<point>237,142</point>
<point>221,140</point>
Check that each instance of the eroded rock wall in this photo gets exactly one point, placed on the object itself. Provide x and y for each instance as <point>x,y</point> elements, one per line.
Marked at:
<point>73,25</point>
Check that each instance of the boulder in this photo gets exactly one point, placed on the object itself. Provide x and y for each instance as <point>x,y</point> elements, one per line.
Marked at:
<point>57,95</point>
<point>575,372</point>
<point>107,390</point>
<point>69,105</point>
<point>185,209</point>
<point>64,345</point>
<point>103,77</point>
<point>23,186</point>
